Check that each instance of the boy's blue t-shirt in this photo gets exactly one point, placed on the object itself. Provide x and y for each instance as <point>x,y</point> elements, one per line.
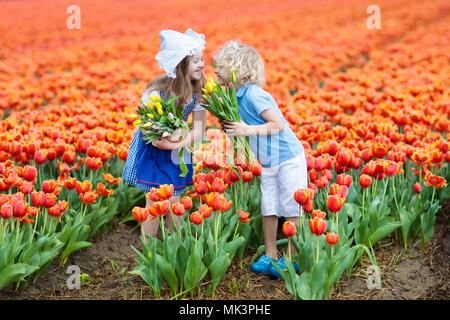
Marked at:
<point>273,149</point>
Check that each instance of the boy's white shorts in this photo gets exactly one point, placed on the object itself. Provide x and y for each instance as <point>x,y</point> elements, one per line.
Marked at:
<point>278,185</point>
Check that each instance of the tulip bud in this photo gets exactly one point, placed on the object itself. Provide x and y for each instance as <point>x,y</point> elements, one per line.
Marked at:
<point>196,218</point>
<point>417,187</point>
<point>187,203</point>
<point>289,229</point>
<point>318,226</point>
<point>332,238</point>
<point>365,181</point>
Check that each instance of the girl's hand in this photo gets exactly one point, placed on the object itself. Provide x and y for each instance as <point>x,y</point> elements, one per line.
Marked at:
<point>164,144</point>
<point>235,128</point>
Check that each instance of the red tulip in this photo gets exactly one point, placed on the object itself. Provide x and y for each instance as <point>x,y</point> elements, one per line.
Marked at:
<point>205,210</point>
<point>218,185</point>
<point>29,173</point>
<point>37,198</point>
<point>6,211</point>
<point>319,214</point>
<point>55,211</point>
<point>88,197</point>
<point>40,156</point>
<point>417,187</point>
<point>201,187</point>
<point>335,203</point>
<point>94,163</point>
<point>140,214</point>
<point>178,209</point>
<point>196,217</point>
<point>332,238</point>
<point>344,179</point>
<point>243,216</point>
<point>338,189</point>
<point>317,226</point>
<point>248,176</point>
<point>309,206</point>
<point>187,203</point>
<point>159,209</point>
<point>20,208</point>
<point>302,196</point>
<point>49,186</point>
<point>365,181</point>
<point>289,229</point>
<point>256,168</point>
<point>26,188</point>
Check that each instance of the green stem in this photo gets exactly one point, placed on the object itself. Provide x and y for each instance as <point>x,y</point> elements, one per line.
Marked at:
<point>317,254</point>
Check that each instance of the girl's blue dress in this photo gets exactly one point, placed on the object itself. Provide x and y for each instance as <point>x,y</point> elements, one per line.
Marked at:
<point>148,166</point>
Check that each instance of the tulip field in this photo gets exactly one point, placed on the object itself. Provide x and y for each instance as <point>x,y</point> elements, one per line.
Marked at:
<point>371,107</point>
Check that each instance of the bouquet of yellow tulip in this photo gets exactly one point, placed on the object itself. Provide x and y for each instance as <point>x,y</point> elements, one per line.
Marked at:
<point>222,103</point>
<point>160,118</point>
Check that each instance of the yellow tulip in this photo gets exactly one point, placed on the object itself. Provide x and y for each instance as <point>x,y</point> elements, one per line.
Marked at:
<point>160,112</point>
<point>133,116</point>
<point>150,115</point>
<point>153,99</point>
<point>150,105</point>
<point>148,124</point>
<point>158,98</point>
<point>137,122</point>
<point>158,105</point>
<point>209,87</point>
<point>233,77</point>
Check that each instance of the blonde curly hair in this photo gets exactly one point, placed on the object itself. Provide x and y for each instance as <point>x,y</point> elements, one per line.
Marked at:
<point>244,60</point>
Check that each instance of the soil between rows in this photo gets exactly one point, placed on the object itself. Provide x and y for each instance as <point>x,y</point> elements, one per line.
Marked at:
<point>405,274</point>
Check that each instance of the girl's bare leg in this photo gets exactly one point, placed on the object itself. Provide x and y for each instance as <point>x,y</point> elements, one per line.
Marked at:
<point>169,221</point>
<point>150,227</point>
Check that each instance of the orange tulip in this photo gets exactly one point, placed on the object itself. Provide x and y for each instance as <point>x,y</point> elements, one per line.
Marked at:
<point>256,168</point>
<point>49,200</point>
<point>317,226</point>
<point>205,210</point>
<point>365,181</point>
<point>332,238</point>
<point>344,179</point>
<point>29,173</point>
<point>302,196</point>
<point>140,214</point>
<point>289,229</point>
<point>6,211</point>
<point>88,197</point>
<point>339,189</point>
<point>93,163</point>
<point>243,216</point>
<point>83,187</point>
<point>110,179</point>
<point>49,186</point>
<point>20,208</point>
<point>159,208</point>
<point>178,209</point>
<point>196,218</point>
<point>101,189</point>
<point>309,206</point>
<point>187,203</point>
<point>218,185</point>
<point>319,214</point>
<point>335,203</point>
<point>55,211</point>
<point>201,187</point>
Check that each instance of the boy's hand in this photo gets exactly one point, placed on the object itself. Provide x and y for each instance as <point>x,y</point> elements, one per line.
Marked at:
<point>164,144</point>
<point>235,128</point>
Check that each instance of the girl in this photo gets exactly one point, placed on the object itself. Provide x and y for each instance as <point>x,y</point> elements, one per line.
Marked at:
<point>152,165</point>
<point>272,141</point>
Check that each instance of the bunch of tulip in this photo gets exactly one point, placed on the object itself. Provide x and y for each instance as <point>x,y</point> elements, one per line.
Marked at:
<point>162,119</point>
<point>222,103</point>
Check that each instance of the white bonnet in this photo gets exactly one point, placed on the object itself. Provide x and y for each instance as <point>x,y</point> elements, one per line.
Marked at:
<point>175,46</point>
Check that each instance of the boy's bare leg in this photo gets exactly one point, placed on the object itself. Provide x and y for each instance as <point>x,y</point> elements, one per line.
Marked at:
<point>270,225</point>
